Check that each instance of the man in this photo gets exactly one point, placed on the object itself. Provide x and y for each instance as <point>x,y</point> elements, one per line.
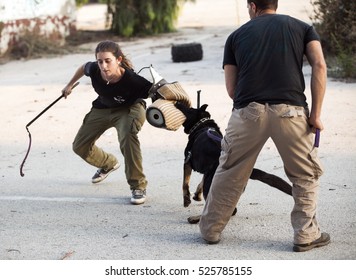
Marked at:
<point>263,75</point>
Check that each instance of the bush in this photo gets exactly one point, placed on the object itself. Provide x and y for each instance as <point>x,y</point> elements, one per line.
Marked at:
<point>335,21</point>
<point>137,17</point>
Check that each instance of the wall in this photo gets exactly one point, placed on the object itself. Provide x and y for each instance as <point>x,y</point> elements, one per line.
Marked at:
<point>53,19</point>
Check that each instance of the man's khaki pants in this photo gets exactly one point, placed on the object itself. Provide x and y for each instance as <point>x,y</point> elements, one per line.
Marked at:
<point>128,122</point>
<point>247,132</point>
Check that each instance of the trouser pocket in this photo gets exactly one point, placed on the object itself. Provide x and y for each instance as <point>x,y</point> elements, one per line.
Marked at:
<point>252,111</point>
<point>138,115</point>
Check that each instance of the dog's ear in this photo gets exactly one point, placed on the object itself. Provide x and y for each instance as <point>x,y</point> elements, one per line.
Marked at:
<point>203,107</point>
<point>202,111</point>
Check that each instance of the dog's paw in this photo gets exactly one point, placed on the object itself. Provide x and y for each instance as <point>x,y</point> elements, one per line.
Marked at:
<point>194,219</point>
<point>198,197</point>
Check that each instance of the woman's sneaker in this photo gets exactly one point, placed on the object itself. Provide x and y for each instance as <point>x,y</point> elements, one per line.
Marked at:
<point>138,196</point>
<point>102,173</point>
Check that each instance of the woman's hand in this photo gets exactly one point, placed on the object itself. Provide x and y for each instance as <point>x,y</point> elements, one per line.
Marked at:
<point>67,90</point>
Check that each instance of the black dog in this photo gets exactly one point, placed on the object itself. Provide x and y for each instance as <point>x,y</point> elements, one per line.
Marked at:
<point>202,155</point>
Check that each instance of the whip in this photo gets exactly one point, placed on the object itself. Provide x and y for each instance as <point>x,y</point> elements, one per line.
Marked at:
<point>31,122</point>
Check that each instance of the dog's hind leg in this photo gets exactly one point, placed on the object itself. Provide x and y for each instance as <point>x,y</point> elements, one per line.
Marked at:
<point>207,179</point>
<point>187,172</point>
<point>272,180</point>
<point>205,185</point>
<point>199,191</point>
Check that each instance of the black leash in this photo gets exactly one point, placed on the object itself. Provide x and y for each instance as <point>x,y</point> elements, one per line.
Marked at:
<point>31,122</point>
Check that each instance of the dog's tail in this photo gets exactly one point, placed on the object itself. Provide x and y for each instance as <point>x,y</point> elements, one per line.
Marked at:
<point>272,180</point>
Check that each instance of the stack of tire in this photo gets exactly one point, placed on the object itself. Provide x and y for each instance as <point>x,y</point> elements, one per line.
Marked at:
<point>187,52</point>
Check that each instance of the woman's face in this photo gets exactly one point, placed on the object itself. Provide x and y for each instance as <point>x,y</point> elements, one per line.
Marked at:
<point>108,63</point>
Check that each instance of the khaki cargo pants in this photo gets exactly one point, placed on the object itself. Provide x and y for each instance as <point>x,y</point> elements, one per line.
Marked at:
<point>248,130</point>
<point>128,122</point>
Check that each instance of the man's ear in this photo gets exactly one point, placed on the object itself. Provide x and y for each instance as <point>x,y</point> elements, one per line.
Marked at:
<point>253,6</point>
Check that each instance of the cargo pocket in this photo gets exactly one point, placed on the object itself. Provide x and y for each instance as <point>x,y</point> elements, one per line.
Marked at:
<point>225,156</point>
<point>316,164</point>
<point>137,113</point>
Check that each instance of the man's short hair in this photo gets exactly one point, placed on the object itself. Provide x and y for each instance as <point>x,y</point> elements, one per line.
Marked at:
<point>265,4</point>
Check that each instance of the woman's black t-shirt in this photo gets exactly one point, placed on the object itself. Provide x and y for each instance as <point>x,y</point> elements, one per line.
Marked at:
<point>268,52</point>
<point>131,88</point>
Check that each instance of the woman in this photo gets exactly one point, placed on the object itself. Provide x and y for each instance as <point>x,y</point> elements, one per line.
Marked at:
<point>120,104</point>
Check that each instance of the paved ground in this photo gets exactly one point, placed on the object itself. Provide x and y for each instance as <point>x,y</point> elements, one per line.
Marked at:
<point>54,212</point>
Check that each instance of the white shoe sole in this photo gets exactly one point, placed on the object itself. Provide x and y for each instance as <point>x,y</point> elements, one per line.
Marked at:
<point>138,201</point>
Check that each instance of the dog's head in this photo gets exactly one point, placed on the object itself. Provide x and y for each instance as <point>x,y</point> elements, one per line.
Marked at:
<point>193,116</point>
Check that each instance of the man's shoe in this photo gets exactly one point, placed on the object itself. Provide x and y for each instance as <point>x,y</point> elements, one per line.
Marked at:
<point>102,173</point>
<point>211,242</point>
<point>323,240</point>
<point>138,196</point>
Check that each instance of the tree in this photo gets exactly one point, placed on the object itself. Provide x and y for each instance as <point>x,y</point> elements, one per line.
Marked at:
<point>335,21</point>
<point>143,17</point>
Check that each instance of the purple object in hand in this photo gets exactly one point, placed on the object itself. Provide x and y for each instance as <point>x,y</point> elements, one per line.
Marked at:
<point>317,138</point>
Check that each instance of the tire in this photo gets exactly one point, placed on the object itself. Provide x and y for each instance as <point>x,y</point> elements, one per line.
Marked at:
<point>187,52</point>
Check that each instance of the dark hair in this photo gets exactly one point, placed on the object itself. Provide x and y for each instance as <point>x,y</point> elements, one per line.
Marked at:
<point>265,4</point>
<point>114,48</point>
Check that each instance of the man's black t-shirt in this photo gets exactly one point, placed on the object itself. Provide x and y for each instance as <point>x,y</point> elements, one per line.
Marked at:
<point>130,89</point>
<point>268,52</point>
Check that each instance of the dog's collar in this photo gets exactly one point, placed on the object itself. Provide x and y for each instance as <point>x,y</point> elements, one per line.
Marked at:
<point>198,124</point>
